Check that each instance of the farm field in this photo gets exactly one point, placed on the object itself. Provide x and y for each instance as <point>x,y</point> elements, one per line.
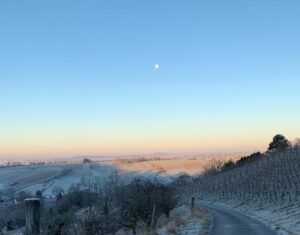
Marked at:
<point>166,167</point>
<point>48,177</point>
<point>51,176</point>
<point>18,178</point>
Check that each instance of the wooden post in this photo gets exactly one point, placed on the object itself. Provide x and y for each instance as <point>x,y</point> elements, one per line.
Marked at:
<point>192,206</point>
<point>152,217</point>
<point>32,215</point>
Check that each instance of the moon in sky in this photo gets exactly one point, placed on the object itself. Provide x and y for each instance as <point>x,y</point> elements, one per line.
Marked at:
<point>156,66</point>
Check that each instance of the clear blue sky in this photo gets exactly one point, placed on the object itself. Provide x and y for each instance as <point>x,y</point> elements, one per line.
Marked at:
<point>78,77</point>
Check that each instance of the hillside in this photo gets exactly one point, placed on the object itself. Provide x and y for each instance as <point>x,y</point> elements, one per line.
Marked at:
<point>268,188</point>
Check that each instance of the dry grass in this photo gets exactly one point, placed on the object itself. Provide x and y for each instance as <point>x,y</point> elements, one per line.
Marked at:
<point>183,219</point>
<point>166,166</point>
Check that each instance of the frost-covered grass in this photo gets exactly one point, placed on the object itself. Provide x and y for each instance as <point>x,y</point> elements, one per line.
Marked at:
<point>180,222</point>
<point>267,189</point>
<point>73,175</point>
<point>19,178</point>
<point>183,222</point>
<point>48,177</point>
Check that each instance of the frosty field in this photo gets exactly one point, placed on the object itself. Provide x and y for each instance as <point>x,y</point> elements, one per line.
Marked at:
<point>50,176</point>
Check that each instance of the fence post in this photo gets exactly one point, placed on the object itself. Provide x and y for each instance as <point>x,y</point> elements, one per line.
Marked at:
<point>192,206</point>
<point>32,215</point>
<point>152,217</point>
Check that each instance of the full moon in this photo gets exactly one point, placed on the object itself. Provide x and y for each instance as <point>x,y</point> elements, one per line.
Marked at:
<point>156,66</point>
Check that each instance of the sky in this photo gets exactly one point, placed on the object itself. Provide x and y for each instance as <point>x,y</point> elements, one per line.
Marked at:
<point>79,77</point>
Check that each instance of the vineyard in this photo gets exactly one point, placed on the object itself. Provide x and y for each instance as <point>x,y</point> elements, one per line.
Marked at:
<point>273,178</point>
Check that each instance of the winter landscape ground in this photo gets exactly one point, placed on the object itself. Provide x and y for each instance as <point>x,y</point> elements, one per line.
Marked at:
<point>264,186</point>
<point>50,176</point>
<point>158,117</point>
<point>255,194</point>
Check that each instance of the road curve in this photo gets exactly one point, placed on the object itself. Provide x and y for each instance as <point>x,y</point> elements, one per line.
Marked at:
<point>228,222</point>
